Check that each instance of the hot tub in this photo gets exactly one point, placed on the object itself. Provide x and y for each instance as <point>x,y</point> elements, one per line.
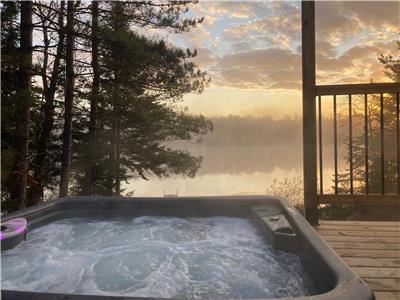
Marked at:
<point>241,247</point>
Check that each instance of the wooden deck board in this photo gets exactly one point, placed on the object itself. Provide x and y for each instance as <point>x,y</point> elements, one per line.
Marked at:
<point>371,249</point>
<point>327,226</point>
<point>358,233</point>
<point>370,246</point>
<point>372,262</point>
<point>363,239</point>
<point>368,253</point>
<point>383,284</point>
<point>361,223</point>
<point>387,295</point>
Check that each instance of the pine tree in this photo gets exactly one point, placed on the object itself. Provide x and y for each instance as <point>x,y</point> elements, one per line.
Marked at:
<point>140,79</point>
<point>68,100</point>
<point>10,37</point>
<point>91,125</point>
<point>51,82</point>
<point>22,106</point>
<point>90,176</point>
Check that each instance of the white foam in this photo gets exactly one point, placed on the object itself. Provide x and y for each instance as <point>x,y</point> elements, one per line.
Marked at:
<point>215,257</point>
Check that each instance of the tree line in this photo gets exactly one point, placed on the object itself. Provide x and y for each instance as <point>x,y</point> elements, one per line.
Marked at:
<point>88,101</point>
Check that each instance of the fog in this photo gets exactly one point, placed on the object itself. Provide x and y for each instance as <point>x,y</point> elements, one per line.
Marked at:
<point>242,155</point>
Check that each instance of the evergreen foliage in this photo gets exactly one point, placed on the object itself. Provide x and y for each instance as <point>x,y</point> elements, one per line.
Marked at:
<point>123,104</point>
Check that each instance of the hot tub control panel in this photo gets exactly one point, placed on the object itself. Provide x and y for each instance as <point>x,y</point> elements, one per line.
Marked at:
<point>277,228</point>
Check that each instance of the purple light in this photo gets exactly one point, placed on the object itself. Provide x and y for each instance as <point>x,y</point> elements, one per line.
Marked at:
<point>19,229</point>
<point>18,226</point>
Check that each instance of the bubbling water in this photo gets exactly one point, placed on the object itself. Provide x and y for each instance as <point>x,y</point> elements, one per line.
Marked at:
<point>149,256</point>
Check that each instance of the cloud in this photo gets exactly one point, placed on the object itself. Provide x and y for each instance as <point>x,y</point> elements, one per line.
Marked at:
<point>261,58</point>
<point>257,45</point>
<point>241,46</point>
<point>198,37</point>
<point>279,27</point>
<point>260,68</point>
<point>341,20</point>
<point>333,23</point>
<point>325,49</point>
<point>204,57</point>
<point>280,68</point>
<point>235,9</point>
<point>358,64</point>
<point>375,14</point>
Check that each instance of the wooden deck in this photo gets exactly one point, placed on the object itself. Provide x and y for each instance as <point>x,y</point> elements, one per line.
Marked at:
<point>371,249</point>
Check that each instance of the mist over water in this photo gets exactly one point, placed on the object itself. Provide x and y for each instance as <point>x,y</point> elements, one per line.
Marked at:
<point>228,170</point>
<point>243,155</point>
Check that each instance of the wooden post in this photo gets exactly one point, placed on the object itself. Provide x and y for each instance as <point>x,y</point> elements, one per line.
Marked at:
<point>309,111</point>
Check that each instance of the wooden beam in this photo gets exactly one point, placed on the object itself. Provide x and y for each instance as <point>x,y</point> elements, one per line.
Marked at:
<point>355,89</point>
<point>387,200</point>
<point>309,111</point>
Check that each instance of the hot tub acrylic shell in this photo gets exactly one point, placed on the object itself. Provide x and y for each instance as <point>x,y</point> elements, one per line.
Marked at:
<point>331,277</point>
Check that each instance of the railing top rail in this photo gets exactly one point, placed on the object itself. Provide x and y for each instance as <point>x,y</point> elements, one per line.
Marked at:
<point>371,199</point>
<point>355,89</point>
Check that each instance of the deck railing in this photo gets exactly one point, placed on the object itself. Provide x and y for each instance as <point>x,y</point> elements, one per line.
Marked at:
<point>381,92</point>
<point>312,93</point>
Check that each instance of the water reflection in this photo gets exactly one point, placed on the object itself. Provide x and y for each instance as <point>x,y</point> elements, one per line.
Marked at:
<point>243,155</point>
<point>228,170</point>
<point>262,159</point>
<point>211,184</point>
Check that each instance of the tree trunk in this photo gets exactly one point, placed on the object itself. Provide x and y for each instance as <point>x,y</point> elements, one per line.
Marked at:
<point>113,168</point>
<point>118,156</point>
<point>37,191</point>
<point>89,187</point>
<point>110,169</point>
<point>68,102</point>
<point>118,25</point>
<point>23,105</point>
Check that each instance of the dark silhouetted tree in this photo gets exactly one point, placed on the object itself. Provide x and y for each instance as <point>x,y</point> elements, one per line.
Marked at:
<point>68,100</point>
<point>93,125</point>
<point>23,99</point>
<point>139,82</point>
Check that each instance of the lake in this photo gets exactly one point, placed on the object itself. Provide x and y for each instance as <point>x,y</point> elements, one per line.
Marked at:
<point>230,170</point>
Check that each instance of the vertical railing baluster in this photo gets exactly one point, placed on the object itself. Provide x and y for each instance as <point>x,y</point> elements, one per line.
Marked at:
<point>382,148</point>
<point>351,144</point>
<point>398,140</point>
<point>366,144</point>
<point>353,182</point>
<point>335,143</point>
<point>321,184</point>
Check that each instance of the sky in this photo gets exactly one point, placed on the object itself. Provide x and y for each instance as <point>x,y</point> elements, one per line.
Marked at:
<point>252,51</point>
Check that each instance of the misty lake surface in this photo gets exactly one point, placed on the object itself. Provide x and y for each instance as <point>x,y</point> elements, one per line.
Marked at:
<point>231,170</point>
